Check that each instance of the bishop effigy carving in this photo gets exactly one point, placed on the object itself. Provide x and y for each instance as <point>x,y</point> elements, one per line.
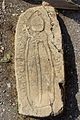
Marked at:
<point>39,66</point>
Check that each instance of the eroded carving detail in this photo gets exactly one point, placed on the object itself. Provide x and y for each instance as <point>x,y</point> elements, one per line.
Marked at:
<point>39,64</point>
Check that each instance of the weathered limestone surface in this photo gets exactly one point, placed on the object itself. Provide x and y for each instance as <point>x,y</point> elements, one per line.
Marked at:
<point>39,64</point>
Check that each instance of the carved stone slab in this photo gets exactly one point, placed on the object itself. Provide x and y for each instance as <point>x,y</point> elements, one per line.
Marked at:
<point>39,64</point>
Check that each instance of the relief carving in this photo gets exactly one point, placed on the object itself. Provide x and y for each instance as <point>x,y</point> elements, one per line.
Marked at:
<point>38,63</point>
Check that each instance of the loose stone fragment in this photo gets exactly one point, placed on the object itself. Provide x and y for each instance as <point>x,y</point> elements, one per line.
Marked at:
<point>39,67</point>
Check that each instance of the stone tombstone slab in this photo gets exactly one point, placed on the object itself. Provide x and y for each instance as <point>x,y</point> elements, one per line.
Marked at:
<point>39,66</point>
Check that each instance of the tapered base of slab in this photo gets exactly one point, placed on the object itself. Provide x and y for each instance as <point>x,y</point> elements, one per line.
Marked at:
<point>39,64</point>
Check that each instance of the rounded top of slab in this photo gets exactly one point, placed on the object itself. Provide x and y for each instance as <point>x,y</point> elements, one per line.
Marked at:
<point>37,23</point>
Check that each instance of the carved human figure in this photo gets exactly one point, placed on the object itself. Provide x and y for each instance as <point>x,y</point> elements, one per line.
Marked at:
<point>39,62</point>
<point>40,65</point>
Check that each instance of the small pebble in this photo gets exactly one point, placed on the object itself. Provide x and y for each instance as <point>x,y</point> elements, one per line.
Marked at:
<point>14,15</point>
<point>1,103</point>
<point>7,95</point>
<point>70,116</point>
<point>8,85</point>
<point>70,27</point>
<point>3,110</point>
<point>1,51</point>
<point>13,104</point>
<point>71,72</point>
<point>4,91</point>
<point>9,110</point>
<point>22,11</point>
<point>18,9</point>
<point>2,48</point>
<point>77,31</point>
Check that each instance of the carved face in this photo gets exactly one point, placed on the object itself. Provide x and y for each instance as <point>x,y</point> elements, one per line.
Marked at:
<point>37,23</point>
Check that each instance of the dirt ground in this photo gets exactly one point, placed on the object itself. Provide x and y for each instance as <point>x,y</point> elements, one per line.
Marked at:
<point>70,26</point>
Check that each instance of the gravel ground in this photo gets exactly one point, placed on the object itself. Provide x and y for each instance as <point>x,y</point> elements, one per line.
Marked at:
<point>70,26</point>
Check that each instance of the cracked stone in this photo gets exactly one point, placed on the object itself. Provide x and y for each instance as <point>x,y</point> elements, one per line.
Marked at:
<point>39,66</point>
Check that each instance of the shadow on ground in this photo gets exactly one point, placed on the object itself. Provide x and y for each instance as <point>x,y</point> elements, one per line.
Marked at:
<point>75,15</point>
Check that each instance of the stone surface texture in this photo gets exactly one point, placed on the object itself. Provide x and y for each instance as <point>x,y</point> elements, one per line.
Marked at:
<point>70,25</point>
<point>39,65</point>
